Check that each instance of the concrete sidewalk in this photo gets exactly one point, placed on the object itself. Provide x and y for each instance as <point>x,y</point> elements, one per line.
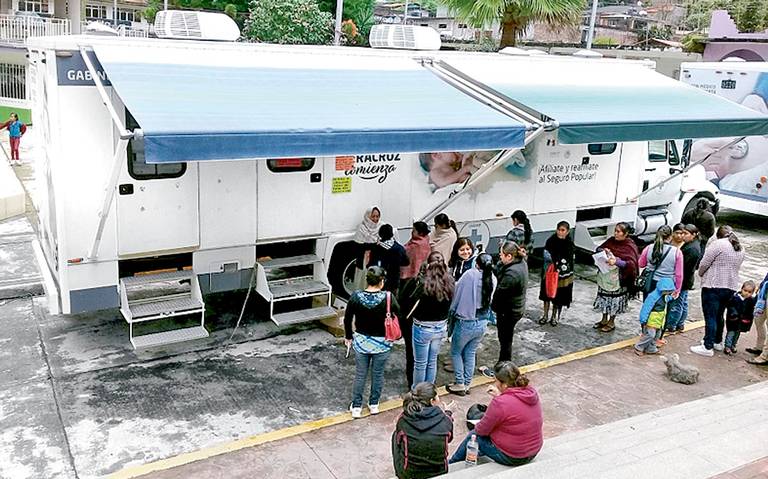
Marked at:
<point>576,396</point>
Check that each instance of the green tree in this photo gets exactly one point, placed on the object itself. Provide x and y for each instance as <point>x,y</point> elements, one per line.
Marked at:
<point>359,11</point>
<point>749,15</point>
<point>516,15</point>
<point>231,10</point>
<point>288,21</point>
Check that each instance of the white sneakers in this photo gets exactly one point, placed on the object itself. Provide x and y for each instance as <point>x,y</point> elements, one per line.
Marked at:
<point>719,346</point>
<point>357,412</point>
<point>702,351</point>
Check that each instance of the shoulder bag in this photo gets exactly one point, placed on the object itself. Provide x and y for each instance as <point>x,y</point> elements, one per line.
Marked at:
<point>391,324</point>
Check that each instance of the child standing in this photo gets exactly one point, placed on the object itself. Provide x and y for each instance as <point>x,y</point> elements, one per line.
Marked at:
<point>652,316</point>
<point>739,315</point>
<point>15,131</point>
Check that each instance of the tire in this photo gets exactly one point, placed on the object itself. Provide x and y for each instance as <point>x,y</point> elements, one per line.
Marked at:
<point>341,270</point>
<point>692,204</point>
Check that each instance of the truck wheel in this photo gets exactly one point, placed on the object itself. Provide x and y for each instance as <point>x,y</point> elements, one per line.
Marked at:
<point>341,271</point>
<point>692,204</point>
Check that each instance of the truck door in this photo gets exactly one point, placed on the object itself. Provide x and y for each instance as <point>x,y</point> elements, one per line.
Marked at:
<point>663,161</point>
<point>157,206</point>
<point>289,197</point>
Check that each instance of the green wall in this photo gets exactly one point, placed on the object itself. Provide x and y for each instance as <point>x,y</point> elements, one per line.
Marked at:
<point>25,115</point>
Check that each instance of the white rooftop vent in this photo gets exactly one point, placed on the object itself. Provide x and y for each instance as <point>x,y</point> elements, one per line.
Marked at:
<point>404,37</point>
<point>98,28</point>
<point>734,59</point>
<point>185,25</point>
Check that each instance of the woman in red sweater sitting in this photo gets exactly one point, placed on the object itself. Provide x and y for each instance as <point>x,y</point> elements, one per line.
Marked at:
<point>510,432</point>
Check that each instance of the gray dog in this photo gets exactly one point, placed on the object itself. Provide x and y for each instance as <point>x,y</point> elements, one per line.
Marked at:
<point>680,373</point>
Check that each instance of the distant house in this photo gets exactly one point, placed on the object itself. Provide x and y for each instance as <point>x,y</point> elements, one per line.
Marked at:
<point>21,19</point>
<point>725,40</point>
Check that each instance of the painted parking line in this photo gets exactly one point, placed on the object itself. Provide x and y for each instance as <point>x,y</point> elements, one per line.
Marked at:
<point>205,453</point>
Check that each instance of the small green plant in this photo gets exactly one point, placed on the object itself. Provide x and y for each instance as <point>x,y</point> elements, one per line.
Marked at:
<point>231,10</point>
<point>605,42</point>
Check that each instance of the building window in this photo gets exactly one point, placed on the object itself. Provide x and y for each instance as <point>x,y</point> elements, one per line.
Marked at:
<point>424,24</point>
<point>37,6</point>
<point>442,25</point>
<point>462,25</point>
<point>138,167</point>
<point>13,81</point>
<point>95,11</point>
<point>126,15</point>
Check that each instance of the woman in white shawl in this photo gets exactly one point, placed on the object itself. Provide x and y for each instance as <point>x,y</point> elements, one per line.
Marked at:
<point>443,236</point>
<point>366,237</point>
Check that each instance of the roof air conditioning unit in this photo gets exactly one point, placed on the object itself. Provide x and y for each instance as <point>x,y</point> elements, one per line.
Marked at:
<point>191,25</point>
<point>404,37</point>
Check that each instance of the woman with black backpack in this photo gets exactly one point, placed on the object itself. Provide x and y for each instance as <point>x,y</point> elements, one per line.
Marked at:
<point>421,437</point>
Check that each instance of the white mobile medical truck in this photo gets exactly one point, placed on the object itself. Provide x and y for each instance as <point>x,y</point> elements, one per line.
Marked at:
<point>194,165</point>
<point>740,170</point>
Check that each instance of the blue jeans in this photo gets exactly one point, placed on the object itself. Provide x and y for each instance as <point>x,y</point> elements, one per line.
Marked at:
<point>427,337</point>
<point>731,338</point>
<point>364,362</point>
<point>677,312</point>
<point>488,449</point>
<point>713,304</point>
<point>466,339</point>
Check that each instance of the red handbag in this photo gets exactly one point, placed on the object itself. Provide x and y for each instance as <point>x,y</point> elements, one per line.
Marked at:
<point>391,324</point>
<point>550,281</point>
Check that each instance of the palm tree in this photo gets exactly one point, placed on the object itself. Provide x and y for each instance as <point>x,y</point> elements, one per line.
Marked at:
<point>515,15</point>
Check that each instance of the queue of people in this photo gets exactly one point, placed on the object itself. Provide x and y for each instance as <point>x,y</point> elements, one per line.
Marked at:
<point>440,286</point>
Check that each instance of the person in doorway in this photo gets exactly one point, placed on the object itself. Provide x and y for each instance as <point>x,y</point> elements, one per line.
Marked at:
<point>390,255</point>
<point>702,217</point>
<point>510,432</point>
<point>417,249</point>
<point>508,301</point>
<point>739,315</point>
<point>559,251</point>
<point>719,271</point>
<point>613,301</point>
<point>471,308</point>
<point>678,307</point>
<point>366,237</point>
<point>16,130</point>
<point>462,257</point>
<point>444,236</point>
<point>652,316</point>
<point>521,232</point>
<point>367,309</point>
<point>761,340</point>
<point>428,299</point>
<point>421,436</point>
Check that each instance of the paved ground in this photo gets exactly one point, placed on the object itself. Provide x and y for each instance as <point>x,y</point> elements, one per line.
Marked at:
<point>754,470</point>
<point>77,401</point>
<point>576,396</point>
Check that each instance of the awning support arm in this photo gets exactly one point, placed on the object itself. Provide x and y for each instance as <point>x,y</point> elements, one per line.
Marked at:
<point>485,170</point>
<point>117,160</point>
<point>685,170</point>
<point>109,195</point>
<point>103,94</point>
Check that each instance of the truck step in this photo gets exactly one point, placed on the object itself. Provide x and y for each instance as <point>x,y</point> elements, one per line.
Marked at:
<point>171,276</point>
<point>297,288</point>
<point>164,307</point>
<point>304,316</point>
<point>169,337</point>
<point>289,261</point>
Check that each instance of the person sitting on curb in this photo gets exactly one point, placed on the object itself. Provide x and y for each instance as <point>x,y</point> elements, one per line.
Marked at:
<point>510,432</point>
<point>421,436</point>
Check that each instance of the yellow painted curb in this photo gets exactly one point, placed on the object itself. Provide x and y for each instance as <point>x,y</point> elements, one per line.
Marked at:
<point>205,453</point>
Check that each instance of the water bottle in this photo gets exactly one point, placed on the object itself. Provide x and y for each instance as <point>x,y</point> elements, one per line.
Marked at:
<point>472,450</point>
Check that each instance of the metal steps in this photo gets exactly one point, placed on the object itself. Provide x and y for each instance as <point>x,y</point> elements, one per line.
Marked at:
<point>169,337</point>
<point>289,280</point>
<point>161,296</point>
<point>304,316</point>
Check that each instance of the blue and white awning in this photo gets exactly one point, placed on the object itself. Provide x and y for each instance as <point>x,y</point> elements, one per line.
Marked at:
<point>230,103</point>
